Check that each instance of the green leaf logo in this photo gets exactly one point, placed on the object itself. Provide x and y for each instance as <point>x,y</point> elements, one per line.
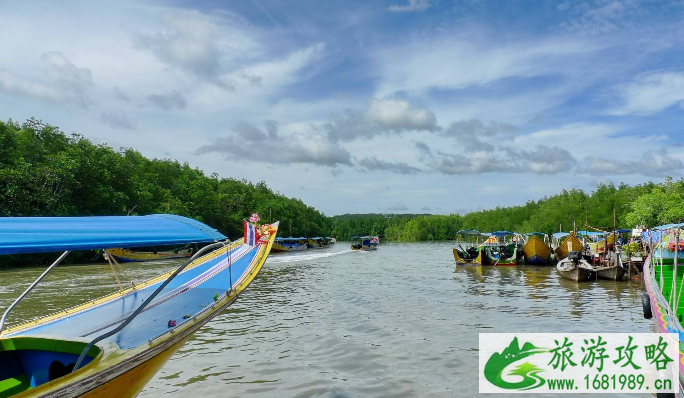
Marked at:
<point>498,362</point>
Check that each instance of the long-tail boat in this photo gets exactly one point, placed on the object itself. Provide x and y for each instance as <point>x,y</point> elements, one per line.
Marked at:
<point>537,250</point>
<point>496,250</point>
<point>318,243</point>
<point>113,345</point>
<point>664,283</point>
<point>569,242</point>
<point>575,267</point>
<point>289,244</point>
<point>471,254</point>
<point>125,255</point>
<point>365,243</point>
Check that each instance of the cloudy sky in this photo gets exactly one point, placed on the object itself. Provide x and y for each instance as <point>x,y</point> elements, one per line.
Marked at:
<point>371,106</point>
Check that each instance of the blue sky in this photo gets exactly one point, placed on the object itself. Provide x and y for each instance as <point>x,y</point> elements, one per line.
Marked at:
<point>369,106</point>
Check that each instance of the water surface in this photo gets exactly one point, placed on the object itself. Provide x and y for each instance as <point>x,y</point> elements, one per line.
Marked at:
<point>402,321</point>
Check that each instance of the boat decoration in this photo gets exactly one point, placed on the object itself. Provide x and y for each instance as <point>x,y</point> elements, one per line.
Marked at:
<point>536,249</point>
<point>113,345</point>
<point>365,243</point>
<point>289,244</point>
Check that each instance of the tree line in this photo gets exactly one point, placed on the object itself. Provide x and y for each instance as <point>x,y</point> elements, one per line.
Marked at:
<point>45,172</point>
<point>622,206</point>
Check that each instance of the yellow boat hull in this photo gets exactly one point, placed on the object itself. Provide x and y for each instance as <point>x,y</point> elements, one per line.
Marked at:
<point>571,243</point>
<point>536,251</point>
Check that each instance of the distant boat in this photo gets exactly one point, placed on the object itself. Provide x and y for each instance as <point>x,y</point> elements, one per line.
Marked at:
<point>569,242</point>
<point>536,250</point>
<point>289,244</point>
<point>499,251</point>
<point>318,243</point>
<point>471,254</point>
<point>113,345</point>
<point>574,267</point>
<point>125,255</point>
<point>365,243</point>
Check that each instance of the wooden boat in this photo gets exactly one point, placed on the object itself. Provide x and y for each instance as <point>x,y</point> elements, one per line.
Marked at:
<point>365,243</point>
<point>125,255</point>
<point>497,251</point>
<point>662,301</point>
<point>318,243</point>
<point>289,244</point>
<point>471,253</point>
<point>536,250</point>
<point>575,267</point>
<point>112,346</point>
<point>569,242</point>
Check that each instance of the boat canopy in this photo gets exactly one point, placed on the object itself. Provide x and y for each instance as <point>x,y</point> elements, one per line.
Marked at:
<point>668,226</point>
<point>590,233</point>
<point>501,233</point>
<point>535,234</point>
<point>469,232</point>
<point>51,234</point>
<point>559,235</point>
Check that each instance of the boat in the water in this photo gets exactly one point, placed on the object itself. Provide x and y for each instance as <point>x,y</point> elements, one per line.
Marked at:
<point>536,249</point>
<point>365,243</point>
<point>575,267</point>
<point>566,243</point>
<point>500,249</point>
<point>126,255</point>
<point>289,244</point>
<point>471,253</point>
<point>113,345</point>
<point>318,243</point>
<point>662,301</point>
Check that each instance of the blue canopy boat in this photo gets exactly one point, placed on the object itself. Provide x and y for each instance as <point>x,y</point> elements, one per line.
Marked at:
<point>112,346</point>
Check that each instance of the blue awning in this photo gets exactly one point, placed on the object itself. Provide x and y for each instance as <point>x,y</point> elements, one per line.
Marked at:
<point>501,233</point>
<point>51,234</point>
<point>559,235</point>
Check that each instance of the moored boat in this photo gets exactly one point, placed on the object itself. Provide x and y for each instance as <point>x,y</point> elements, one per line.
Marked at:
<point>536,250</point>
<point>568,242</point>
<point>662,301</point>
<point>289,244</point>
<point>575,267</point>
<point>498,251</point>
<point>112,346</point>
<point>471,253</point>
<point>125,255</point>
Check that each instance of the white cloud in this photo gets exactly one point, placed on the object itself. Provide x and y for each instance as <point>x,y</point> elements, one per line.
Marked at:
<point>413,5</point>
<point>650,93</point>
<point>652,163</point>
<point>117,120</point>
<point>398,114</point>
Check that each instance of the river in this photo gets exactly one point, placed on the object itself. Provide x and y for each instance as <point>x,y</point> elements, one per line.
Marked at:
<point>399,322</point>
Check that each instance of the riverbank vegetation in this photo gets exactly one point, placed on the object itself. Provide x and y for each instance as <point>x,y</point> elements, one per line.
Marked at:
<point>45,172</point>
<point>647,205</point>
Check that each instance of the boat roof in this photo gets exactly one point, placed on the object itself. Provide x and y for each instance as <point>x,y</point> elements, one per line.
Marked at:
<point>559,235</point>
<point>469,232</point>
<point>590,233</point>
<point>501,233</point>
<point>668,226</point>
<point>535,234</point>
<point>51,234</point>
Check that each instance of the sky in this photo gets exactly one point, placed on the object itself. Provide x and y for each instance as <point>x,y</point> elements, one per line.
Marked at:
<point>398,106</point>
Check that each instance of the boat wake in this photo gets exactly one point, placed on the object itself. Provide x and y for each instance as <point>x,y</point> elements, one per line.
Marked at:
<point>295,257</point>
